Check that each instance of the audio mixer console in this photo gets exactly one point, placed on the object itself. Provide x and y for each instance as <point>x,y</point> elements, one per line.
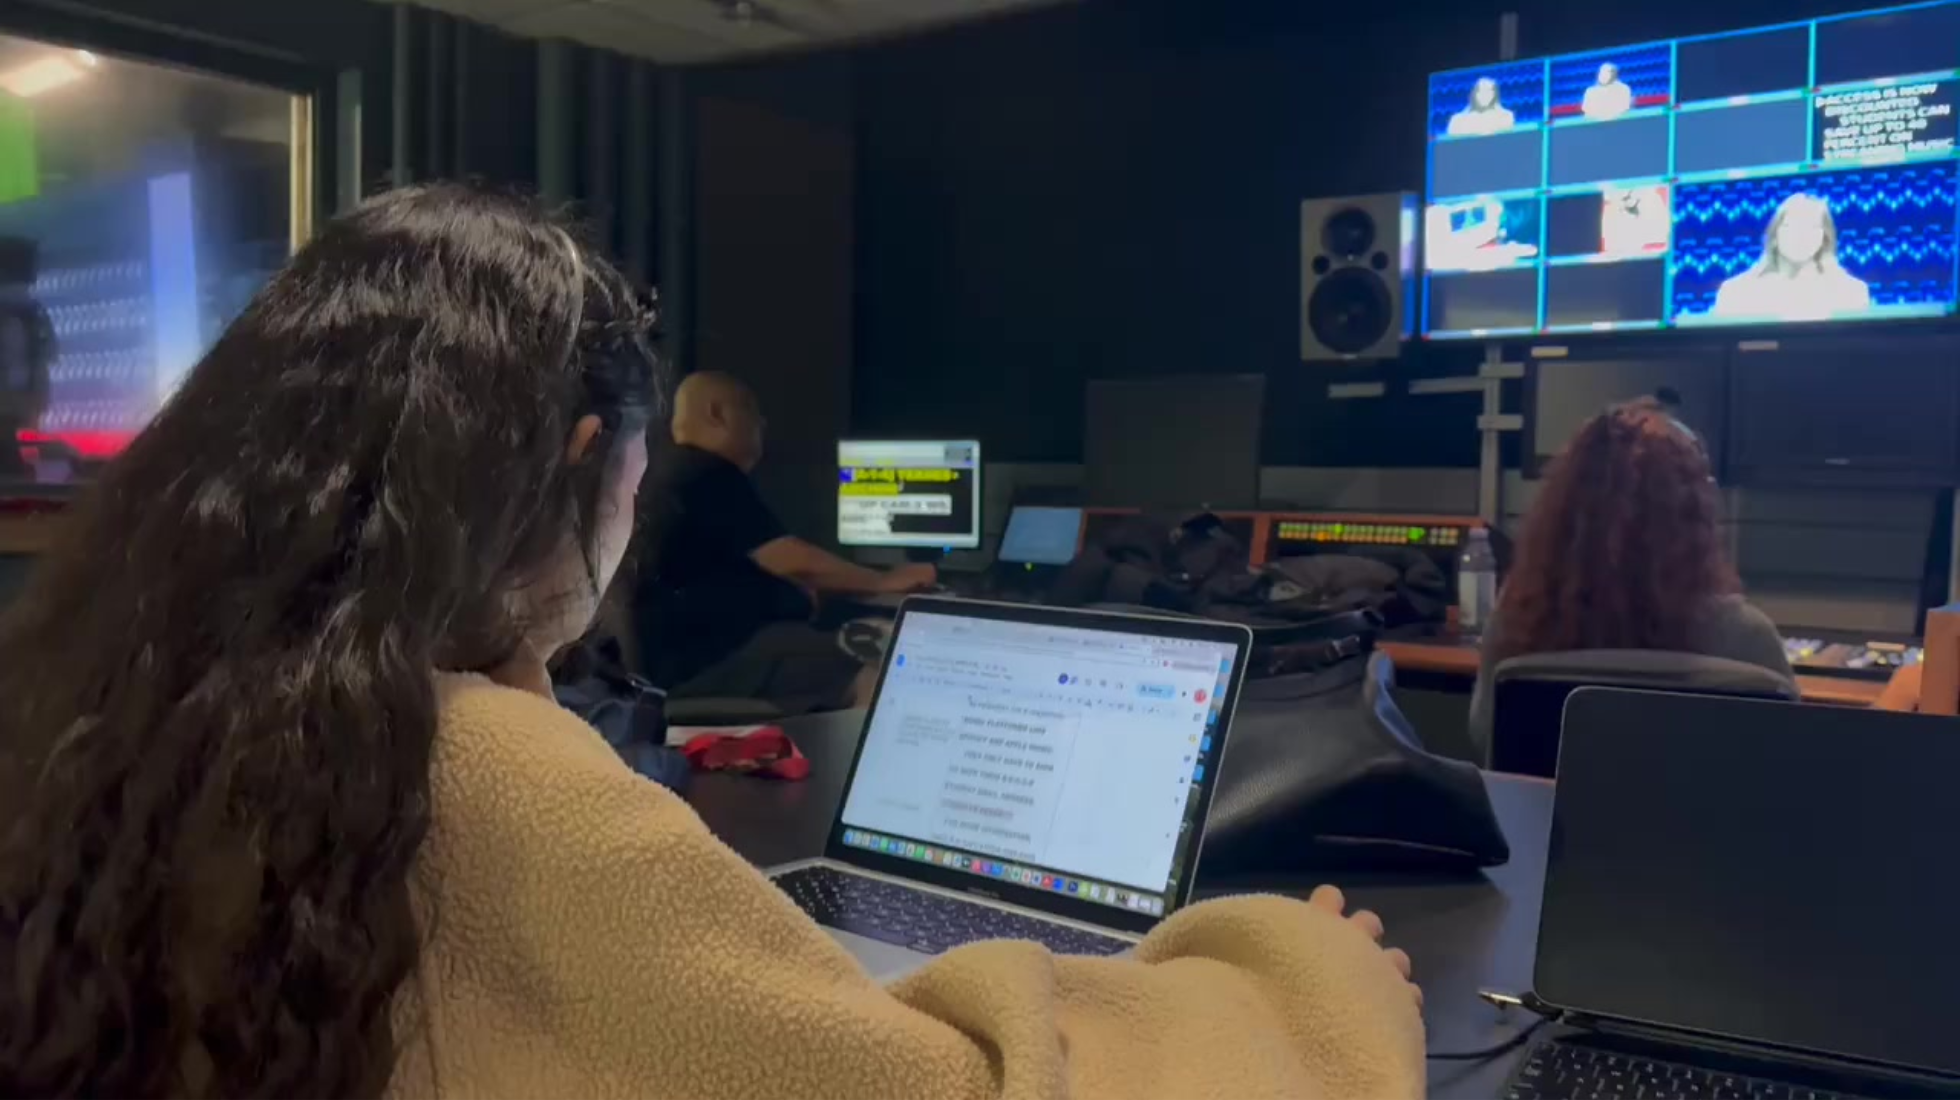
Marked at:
<point>1861,660</point>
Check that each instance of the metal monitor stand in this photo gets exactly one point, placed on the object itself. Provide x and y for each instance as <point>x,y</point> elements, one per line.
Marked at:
<point>1492,423</point>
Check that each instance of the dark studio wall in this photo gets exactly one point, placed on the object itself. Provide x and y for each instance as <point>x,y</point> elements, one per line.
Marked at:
<point>1112,189</point>
<point>770,298</point>
<point>470,106</point>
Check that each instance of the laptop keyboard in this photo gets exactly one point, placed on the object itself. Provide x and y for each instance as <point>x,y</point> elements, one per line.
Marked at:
<point>1564,1071</point>
<point>923,921</point>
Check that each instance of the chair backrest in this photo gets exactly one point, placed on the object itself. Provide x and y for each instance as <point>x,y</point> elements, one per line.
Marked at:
<point>1531,690</point>
<point>1939,691</point>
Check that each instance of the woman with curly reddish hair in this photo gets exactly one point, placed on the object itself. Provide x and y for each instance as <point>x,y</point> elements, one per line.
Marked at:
<point>1621,551</point>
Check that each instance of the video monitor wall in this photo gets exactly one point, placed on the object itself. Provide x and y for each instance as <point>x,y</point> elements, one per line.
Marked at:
<point>1802,172</point>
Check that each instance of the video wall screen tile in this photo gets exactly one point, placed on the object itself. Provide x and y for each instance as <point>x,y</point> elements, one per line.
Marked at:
<point>1626,149</point>
<point>1600,87</point>
<point>1605,296</point>
<point>1613,223</point>
<point>1747,135</point>
<point>1492,100</point>
<point>1484,303</point>
<point>1482,234</point>
<point>1796,173</point>
<point>1869,242</point>
<point>1886,45</point>
<point>1888,122</point>
<point>1483,165</point>
<point>1730,65</point>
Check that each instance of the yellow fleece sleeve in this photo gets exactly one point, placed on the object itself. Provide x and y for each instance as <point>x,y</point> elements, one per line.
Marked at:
<point>590,937</point>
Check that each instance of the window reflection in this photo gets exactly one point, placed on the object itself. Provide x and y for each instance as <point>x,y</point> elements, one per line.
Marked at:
<point>140,208</point>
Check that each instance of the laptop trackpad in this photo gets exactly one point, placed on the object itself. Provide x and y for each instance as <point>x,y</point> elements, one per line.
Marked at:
<point>883,961</point>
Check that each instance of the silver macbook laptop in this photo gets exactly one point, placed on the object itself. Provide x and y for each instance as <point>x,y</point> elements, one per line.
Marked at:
<point>1025,773</point>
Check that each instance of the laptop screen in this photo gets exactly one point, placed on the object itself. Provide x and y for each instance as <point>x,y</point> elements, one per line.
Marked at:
<point>1068,759</point>
<point>1041,536</point>
<point>1771,872</point>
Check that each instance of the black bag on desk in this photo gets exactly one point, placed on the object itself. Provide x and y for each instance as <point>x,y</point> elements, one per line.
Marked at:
<point>1323,772</point>
<point>1400,585</point>
<point>1193,565</point>
<point>1165,562</point>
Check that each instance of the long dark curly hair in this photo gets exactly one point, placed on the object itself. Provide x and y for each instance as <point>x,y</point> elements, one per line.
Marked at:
<point>1621,550</point>
<point>216,696</point>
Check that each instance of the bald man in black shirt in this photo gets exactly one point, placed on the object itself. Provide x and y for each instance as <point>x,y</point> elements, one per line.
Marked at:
<point>725,592</point>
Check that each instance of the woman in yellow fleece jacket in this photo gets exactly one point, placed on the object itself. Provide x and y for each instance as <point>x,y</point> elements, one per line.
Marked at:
<point>254,842</point>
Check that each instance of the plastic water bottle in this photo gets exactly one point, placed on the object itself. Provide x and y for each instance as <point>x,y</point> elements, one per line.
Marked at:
<point>1476,582</point>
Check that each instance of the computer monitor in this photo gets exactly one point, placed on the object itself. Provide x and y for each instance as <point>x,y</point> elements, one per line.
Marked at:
<point>909,494</point>
<point>1174,444</point>
<point>1040,536</point>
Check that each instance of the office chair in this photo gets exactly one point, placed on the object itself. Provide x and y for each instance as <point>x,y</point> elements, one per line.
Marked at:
<point>1939,689</point>
<point>616,621</point>
<point>1531,691</point>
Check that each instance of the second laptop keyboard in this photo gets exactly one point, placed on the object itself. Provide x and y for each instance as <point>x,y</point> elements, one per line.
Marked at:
<point>1567,1071</point>
<point>924,921</point>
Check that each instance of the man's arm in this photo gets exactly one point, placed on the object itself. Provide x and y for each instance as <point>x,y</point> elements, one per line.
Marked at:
<point>817,570</point>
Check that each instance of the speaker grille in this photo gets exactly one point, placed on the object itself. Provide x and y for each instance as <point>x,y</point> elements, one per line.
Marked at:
<point>1350,310</point>
<point>1348,233</point>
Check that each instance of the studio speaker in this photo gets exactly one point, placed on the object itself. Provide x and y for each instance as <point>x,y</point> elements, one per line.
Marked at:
<point>1357,276</point>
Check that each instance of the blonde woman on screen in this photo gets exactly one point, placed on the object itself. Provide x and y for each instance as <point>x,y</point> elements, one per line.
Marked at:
<point>1483,114</point>
<point>1798,277</point>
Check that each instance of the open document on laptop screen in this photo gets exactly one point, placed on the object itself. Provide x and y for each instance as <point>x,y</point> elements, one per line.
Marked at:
<point>1073,755</point>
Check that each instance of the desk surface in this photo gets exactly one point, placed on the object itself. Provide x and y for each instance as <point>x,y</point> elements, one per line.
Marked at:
<point>25,533</point>
<point>1464,933</point>
<point>1458,657</point>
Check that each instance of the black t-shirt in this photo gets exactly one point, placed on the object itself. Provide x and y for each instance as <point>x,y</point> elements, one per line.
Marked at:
<point>700,594</point>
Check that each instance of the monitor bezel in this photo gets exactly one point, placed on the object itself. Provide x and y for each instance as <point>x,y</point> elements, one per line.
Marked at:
<point>964,541</point>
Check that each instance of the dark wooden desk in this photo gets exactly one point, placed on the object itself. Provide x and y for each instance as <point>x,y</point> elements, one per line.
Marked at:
<point>25,533</point>
<point>1454,657</point>
<point>1464,933</point>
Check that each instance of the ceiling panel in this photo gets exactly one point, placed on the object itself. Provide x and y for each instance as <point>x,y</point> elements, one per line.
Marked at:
<point>492,11</point>
<point>686,37</point>
<point>684,31</point>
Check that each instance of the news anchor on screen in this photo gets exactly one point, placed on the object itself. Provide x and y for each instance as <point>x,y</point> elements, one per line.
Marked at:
<point>1609,97</point>
<point>1484,114</point>
<point>1798,277</point>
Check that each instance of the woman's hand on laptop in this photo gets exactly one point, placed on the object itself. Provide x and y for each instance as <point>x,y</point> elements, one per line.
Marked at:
<point>1333,901</point>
